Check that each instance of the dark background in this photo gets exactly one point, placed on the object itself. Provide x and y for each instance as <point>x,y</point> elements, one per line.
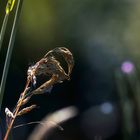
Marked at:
<point>101,34</point>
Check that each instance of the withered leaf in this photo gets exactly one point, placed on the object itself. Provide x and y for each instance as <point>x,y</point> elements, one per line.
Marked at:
<point>46,85</point>
<point>50,65</point>
<point>66,54</point>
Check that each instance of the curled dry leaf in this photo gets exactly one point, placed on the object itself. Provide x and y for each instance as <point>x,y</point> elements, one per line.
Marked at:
<point>48,84</point>
<point>67,55</point>
<point>50,65</point>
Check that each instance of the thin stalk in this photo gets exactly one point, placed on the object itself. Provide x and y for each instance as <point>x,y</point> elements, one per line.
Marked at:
<point>9,51</point>
<point>20,102</point>
<point>3,28</point>
<point>17,110</point>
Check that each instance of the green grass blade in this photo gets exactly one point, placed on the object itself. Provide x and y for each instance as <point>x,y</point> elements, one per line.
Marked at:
<point>3,28</point>
<point>9,8</point>
<point>9,51</point>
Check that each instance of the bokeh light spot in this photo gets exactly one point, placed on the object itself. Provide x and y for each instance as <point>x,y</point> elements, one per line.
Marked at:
<point>106,108</point>
<point>127,67</point>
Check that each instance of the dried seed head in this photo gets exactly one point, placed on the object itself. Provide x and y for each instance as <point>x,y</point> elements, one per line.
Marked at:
<point>49,65</point>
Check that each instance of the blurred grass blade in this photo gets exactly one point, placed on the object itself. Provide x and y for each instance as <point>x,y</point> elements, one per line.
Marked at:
<point>10,48</point>
<point>126,105</point>
<point>3,28</point>
<point>8,9</point>
<point>54,119</point>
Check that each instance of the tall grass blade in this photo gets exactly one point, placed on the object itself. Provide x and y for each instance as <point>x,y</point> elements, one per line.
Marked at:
<point>9,51</point>
<point>3,28</point>
<point>8,9</point>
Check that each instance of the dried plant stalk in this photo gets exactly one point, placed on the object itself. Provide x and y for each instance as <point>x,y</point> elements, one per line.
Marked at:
<point>47,66</point>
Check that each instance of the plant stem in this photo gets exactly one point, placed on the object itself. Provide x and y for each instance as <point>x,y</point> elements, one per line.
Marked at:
<point>9,51</point>
<point>22,97</point>
<point>17,110</point>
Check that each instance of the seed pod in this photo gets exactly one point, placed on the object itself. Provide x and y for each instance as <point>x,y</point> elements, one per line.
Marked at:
<point>26,100</point>
<point>26,110</point>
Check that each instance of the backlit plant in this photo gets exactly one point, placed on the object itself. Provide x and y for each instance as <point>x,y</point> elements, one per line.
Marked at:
<point>50,67</point>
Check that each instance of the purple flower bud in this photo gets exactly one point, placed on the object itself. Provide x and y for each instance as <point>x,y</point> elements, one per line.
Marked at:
<point>127,67</point>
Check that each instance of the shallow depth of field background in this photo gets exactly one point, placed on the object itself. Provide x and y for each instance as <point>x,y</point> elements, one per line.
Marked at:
<point>104,36</point>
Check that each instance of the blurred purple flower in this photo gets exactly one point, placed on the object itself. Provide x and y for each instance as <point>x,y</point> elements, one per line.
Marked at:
<point>127,67</point>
